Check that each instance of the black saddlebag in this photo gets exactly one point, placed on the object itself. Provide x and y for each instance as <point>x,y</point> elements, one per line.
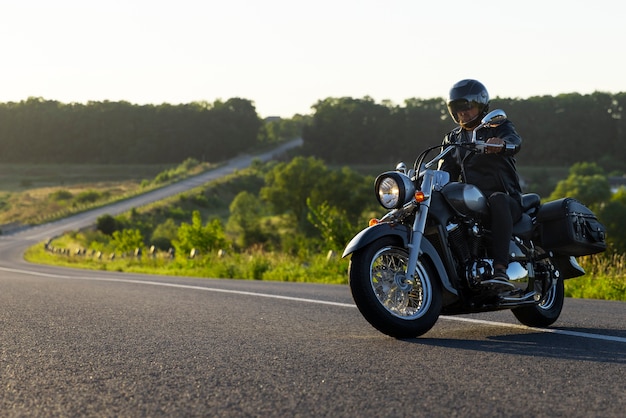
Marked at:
<point>569,228</point>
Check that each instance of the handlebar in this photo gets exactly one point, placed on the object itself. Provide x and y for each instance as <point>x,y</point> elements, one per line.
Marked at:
<point>481,146</point>
<point>477,146</point>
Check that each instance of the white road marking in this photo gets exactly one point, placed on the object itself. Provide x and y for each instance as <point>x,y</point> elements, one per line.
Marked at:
<point>546,330</point>
<point>321,302</point>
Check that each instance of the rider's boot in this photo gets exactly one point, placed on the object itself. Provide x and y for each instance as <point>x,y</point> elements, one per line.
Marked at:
<point>499,280</point>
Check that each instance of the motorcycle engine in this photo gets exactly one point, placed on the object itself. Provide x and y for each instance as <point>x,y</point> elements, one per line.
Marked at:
<point>466,240</point>
<point>467,243</point>
<point>467,246</point>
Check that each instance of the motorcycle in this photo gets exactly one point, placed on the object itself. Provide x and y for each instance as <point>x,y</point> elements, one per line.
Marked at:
<point>430,254</point>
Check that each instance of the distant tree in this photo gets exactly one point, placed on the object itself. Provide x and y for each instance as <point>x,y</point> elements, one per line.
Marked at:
<point>246,212</point>
<point>347,130</point>
<point>106,224</point>
<point>586,169</point>
<point>345,189</point>
<point>587,183</point>
<point>289,185</point>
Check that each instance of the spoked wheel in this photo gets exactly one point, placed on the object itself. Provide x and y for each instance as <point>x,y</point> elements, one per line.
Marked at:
<point>547,312</point>
<point>394,304</point>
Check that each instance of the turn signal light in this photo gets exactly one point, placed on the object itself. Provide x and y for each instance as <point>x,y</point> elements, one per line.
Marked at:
<point>373,222</point>
<point>420,196</point>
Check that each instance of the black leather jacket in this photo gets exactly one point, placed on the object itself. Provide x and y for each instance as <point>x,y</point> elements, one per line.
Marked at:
<point>489,172</point>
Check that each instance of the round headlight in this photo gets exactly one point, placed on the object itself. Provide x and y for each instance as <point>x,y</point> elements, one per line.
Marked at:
<point>393,189</point>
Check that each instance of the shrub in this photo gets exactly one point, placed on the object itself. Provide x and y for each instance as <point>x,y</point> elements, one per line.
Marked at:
<point>106,224</point>
<point>89,196</point>
<point>127,240</point>
<point>198,236</point>
<point>61,195</point>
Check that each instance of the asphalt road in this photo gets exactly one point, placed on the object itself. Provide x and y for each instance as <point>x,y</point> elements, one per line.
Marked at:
<point>83,343</point>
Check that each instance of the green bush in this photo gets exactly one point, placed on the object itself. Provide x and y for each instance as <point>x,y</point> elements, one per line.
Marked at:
<point>107,224</point>
<point>60,195</point>
<point>89,196</point>
<point>128,240</point>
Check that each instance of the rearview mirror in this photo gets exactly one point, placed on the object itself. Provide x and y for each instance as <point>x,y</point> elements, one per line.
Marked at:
<point>491,120</point>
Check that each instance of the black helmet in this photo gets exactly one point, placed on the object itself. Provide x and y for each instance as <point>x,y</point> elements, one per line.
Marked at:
<point>466,94</point>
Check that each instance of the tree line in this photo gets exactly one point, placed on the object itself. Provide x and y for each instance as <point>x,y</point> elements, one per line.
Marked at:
<point>45,131</point>
<point>557,130</point>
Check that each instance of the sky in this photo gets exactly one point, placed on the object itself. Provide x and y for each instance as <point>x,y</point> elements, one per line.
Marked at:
<point>286,55</point>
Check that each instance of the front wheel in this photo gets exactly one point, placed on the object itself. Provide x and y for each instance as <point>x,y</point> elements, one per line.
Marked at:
<point>547,312</point>
<point>392,303</point>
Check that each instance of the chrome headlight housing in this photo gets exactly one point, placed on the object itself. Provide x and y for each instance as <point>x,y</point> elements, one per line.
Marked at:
<point>393,189</point>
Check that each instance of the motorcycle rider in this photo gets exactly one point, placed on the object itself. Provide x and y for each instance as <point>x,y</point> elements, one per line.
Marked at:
<point>493,172</point>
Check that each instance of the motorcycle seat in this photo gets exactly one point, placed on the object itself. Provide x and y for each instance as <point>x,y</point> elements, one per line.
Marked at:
<point>530,201</point>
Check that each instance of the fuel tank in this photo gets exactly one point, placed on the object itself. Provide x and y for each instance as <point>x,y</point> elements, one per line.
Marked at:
<point>466,199</point>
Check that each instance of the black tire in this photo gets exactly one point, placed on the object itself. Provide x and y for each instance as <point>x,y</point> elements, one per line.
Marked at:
<point>386,300</point>
<point>547,312</point>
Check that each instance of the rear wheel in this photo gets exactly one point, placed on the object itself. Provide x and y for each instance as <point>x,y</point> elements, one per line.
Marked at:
<point>392,303</point>
<point>547,312</point>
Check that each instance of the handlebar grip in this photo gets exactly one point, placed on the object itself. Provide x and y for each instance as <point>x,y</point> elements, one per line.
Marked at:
<point>481,146</point>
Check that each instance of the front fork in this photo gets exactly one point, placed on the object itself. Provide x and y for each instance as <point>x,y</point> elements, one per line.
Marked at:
<point>415,242</point>
<point>432,180</point>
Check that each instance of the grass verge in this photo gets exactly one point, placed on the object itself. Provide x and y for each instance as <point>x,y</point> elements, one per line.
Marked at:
<point>249,265</point>
<point>605,278</point>
<point>329,269</point>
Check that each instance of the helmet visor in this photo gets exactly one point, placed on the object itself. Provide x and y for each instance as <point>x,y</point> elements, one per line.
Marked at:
<point>461,105</point>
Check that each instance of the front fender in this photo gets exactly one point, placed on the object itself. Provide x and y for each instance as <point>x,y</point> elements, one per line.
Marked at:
<point>372,233</point>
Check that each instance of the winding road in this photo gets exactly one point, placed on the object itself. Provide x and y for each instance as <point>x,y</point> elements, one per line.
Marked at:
<point>85,343</point>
